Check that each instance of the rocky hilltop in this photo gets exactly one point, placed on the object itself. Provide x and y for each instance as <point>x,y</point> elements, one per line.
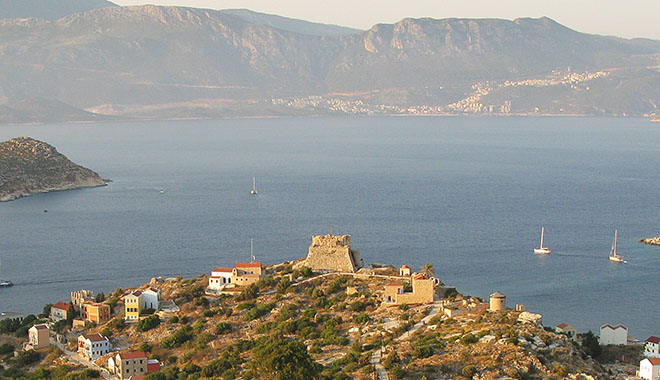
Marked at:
<point>29,166</point>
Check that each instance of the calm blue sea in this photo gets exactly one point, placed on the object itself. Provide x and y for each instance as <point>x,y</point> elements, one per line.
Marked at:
<point>468,195</point>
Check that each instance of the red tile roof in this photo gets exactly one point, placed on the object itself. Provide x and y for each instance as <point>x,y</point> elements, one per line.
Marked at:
<point>133,355</point>
<point>222,270</point>
<point>613,327</point>
<point>61,306</point>
<point>653,339</point>
<point>405,266</point>
<point>394,284</point>
<point>654,361</point>
<point>40,327</point>
<point>249,265</point>
<point>562,325</point>
<point>95,337</point>
<point>420,277</point>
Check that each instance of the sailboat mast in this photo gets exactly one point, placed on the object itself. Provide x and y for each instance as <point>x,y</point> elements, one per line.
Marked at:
<point>254,183</point>
<point>251,249</point>
<point>542,233</point>
<point>616,233</point>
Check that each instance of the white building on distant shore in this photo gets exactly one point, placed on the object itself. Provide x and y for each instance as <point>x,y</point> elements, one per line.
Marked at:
<point>613,334</point>
<point>649,369</point>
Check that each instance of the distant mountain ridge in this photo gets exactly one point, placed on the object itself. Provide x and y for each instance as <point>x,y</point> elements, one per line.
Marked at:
<point>290,24</point>
<point>48,9</point>
<point>172,62</point>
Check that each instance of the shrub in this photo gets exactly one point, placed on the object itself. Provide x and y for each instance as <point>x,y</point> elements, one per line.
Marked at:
<point>145,347</point>
<point>222,328</point>
<point>283,285</point>
<point>362,318</point>
<point>259,311</point>
<point>148,323</point>
<point>175,340</point>
<point>468,338</point>
<point>249,293</point>
<point>469,371</point>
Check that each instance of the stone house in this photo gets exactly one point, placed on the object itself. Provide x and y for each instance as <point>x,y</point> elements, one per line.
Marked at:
<point>567,329</point>
<point>81,296</point>
<point>649,369</point>
<point>93,346</point>
<point>246,273</point>
<point>38,336</point>
<point>497,302</point>
<point>613,334</point>
<point>422,292</point>
<point>651,347</point>
<point>59,311</point>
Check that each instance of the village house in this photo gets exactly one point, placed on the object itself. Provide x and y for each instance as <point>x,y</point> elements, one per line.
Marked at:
<point>565,328</point>
<point>246,273</point>
<point>81,296</point>
<point>422,292</point>
<point>649,369</point>
<point>59,311</point>
<point>220,277</point>
<point>651,349</point>
<point>405,271</point>
<point>38,337</point>
<point>128,364</point>
<point>613,334</point>
<point>150,299</point>
<point>95,312</point>
<point>93,346</point>
<point>133,306</point>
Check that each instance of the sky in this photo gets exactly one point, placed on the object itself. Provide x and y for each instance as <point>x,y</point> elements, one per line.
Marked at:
<point>628,19</point>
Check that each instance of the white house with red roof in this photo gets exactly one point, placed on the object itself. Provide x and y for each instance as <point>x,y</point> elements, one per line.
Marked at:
<point>567,329</point>
<point>613,334</point>
<point>93,346</point>
<point>649,369</point>
<point>220,277</point>
<point>652,347</point>
<point>59,311</point>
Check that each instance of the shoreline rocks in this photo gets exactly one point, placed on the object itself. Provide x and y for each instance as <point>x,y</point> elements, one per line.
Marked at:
<point>651,241</point>
<point>29,166</point>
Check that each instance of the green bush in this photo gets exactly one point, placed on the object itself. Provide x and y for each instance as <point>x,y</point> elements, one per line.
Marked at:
<point>180,337</point>
<point>148,323</point>
<point>249,293</point>
<point>222,328</point>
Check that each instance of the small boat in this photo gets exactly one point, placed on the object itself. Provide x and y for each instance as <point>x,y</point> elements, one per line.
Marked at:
<point>5,283</point>
<point>614,256</point>
<point>162,191</point>
<point>254,186</point>
<point>541,250</point>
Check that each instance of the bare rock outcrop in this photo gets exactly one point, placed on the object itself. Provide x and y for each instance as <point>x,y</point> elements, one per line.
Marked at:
<point>29,166</point>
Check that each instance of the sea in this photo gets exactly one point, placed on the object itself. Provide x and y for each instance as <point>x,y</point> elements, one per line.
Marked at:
<point>468,195</point>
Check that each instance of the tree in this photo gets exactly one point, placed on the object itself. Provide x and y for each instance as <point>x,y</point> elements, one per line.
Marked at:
<point>428,270</point>
<point>590,345</point>
<point>100,297</point>
<point>46,311</point>
<point>148,323</point>
<point>278,358</point>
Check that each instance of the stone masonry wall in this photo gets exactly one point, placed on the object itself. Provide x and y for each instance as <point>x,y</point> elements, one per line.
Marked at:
<point>331,252</point>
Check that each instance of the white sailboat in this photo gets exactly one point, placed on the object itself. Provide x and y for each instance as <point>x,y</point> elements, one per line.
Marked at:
<point>252,250</point>
<point>541,250</point>
<point>254,186</point>
<point>4,283</point>
<point>614,256</point>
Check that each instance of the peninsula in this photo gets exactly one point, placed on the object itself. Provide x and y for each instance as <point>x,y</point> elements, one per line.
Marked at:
<point>29,166</point>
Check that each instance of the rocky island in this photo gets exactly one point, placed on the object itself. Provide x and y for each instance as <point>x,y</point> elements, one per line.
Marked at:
<point>29,166</point>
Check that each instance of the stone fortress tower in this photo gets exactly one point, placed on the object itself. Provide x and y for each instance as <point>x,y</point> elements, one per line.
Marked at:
<point>333,253</point>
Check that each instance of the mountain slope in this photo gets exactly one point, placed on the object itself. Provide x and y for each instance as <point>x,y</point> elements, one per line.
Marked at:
<point>290,24</point>
<point>160,62</point>
<point>48,9</point>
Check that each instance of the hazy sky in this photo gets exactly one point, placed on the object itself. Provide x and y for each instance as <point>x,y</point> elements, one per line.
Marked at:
<point>623,18</point>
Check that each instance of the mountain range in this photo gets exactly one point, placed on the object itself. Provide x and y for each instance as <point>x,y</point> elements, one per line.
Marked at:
<point>111,62</point>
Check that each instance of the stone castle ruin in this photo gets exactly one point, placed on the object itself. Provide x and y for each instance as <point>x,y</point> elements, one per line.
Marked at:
<point>333,253</point>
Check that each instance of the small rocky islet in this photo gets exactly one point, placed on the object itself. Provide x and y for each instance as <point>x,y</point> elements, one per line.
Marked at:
<point>29,166</point>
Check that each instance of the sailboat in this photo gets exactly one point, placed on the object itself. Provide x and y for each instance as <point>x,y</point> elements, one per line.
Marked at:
<point>614,256</point>
<point>4,283</point>
<point>541,250</point>
<point>252,250</point>
<point>254,186</point>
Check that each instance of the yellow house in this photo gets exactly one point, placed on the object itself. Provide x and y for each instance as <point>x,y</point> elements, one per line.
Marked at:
<point>133,306</point>
<point>423,292</point>
<point>246,273</point>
